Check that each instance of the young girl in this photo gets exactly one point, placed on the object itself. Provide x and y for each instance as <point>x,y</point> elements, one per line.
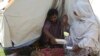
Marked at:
<point>51,29</point>
<point>65,26</point>
<point>51,32</point>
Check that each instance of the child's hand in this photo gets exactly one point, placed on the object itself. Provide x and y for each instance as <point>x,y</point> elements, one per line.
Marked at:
<point>53,41</point>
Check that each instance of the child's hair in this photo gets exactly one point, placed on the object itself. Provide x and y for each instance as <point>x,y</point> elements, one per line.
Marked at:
<point>51,12</point>
<point>64,19</point>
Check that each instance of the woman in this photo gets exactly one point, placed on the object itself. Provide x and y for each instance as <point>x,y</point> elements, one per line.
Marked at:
<point>83,30</point>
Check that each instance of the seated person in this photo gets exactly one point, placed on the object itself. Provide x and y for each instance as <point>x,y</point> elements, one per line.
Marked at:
<point>51,29</point>
<point>65,26</point>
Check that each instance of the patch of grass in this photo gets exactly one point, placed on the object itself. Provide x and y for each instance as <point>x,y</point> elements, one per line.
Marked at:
<point>2,53</point>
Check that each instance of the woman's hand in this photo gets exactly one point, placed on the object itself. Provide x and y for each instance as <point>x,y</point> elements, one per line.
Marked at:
<point>76,49</point>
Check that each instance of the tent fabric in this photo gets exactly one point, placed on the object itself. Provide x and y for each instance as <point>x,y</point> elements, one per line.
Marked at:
<point>57,4</point>
<point>3,3</point>
<point>23,21</point>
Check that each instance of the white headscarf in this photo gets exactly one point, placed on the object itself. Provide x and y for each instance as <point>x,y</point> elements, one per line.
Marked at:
<point>83,10</point>
<point>95,6</point>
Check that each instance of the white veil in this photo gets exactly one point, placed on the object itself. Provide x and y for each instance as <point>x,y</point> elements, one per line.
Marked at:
<point>83,7</point>
<point>96,8</point>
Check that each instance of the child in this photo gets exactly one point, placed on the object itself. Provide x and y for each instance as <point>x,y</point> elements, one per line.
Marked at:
<point>51,29</point>
<point>65,26</point>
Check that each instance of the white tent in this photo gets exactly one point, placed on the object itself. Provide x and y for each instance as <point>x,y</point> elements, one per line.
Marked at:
<point>22,22</point>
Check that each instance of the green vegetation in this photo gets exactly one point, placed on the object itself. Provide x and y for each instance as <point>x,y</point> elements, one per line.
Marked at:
<point>2,52</point>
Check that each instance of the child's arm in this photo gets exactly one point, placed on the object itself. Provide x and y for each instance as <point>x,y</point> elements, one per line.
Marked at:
<point>48,34</point>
